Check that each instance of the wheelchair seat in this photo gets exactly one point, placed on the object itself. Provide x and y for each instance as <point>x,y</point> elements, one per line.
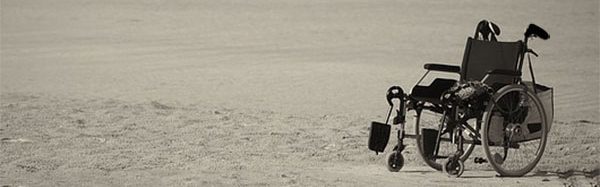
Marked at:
<point>433,92</point>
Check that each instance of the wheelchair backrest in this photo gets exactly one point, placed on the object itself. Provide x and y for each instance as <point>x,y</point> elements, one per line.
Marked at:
<point>482,56</point>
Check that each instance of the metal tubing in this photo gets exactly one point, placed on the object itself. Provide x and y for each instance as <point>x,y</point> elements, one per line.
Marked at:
<point>423,77</point>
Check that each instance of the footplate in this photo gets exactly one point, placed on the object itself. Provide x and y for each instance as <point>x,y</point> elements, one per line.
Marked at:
<point>379,135</point>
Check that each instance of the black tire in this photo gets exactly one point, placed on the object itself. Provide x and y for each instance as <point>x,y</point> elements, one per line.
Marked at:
<point>453,168</point>
<point>512,138</point>
<point>395,161</point>
<point>437,164</point>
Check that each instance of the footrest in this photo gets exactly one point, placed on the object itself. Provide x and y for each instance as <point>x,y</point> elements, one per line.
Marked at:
<point>378,136</point>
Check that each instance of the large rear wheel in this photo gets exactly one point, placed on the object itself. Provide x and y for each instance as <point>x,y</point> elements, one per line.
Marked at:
<point>514,131</point>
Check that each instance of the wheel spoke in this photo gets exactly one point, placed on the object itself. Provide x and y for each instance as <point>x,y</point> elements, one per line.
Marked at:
<point>519,152</point>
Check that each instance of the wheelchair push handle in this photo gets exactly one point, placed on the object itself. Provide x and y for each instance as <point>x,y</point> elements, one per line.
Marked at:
<point>536,31</point>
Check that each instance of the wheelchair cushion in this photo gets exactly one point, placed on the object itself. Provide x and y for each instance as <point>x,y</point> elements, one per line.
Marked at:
<point>433,92</point>
<point>472,94</point>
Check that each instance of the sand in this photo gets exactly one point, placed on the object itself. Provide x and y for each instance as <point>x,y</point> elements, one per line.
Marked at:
<point>259,93</point>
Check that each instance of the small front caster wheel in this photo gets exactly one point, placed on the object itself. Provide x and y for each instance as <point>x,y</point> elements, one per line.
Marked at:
<point>453,167</point>
<point>395,161</point>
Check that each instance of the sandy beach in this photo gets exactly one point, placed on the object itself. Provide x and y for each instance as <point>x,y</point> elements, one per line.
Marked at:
<point>262,93</point>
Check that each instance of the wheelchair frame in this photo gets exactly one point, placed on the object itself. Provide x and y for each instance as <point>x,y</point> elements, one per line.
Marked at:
<point>454,118</point>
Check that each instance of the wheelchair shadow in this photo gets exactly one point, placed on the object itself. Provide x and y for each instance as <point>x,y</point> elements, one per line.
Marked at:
<point>477,177</point>
<point>420,171</point>
<point>469,174</point>
<point>566,174</point>
<point>486,174</point>
<point>542,173</point>
<point>478,174</point>
<point>571,178</point>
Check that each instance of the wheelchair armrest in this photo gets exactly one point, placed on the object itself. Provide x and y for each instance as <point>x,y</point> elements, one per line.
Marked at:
<point>504,72</point>
<point>442,67</point>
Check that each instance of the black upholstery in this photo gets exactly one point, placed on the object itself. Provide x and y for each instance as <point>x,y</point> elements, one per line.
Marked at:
<point>504,72</point>
<point>442,67</point>
<point>483,56</point>
<point>501,59</point>
<point>433,92</point>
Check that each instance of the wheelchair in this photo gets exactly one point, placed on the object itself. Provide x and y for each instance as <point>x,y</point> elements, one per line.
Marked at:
<point>490,105</point>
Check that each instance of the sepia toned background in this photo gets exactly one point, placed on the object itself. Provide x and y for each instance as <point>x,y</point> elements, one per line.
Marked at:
<point>257,92</point>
